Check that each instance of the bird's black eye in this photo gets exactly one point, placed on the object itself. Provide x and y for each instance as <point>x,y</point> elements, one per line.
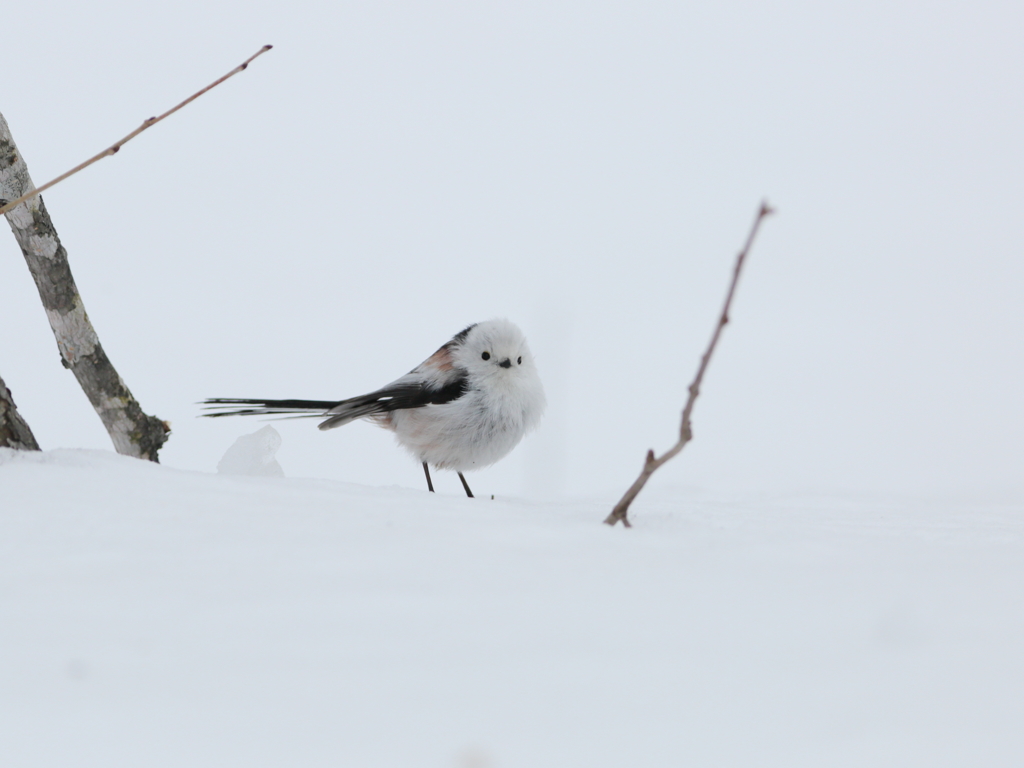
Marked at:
<point>486,355</point>
<point>519,360</point>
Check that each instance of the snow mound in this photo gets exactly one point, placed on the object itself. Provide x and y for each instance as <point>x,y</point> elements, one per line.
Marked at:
<point>253,455</point>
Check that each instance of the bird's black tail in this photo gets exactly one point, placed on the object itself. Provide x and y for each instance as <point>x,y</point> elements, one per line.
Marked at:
<point>231,406</point>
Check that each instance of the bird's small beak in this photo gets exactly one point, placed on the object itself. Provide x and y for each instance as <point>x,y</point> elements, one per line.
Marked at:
<point>506,363</point>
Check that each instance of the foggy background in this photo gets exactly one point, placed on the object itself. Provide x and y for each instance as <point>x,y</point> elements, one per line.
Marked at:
<point>392,172</point>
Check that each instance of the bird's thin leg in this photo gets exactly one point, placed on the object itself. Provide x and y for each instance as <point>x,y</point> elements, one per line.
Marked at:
<point>426,471</point>
<point>465,485</point>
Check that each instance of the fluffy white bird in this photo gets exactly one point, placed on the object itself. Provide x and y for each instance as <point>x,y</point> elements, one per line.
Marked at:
<point>464,407</point>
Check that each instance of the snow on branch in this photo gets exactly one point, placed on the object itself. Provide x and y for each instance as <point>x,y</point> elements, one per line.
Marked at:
<point>651,463</point>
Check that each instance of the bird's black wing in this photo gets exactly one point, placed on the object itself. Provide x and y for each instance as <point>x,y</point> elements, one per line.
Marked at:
<point>410,391</point>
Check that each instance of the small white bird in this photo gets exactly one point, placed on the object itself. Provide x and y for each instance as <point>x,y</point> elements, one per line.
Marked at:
<point>464,407</point>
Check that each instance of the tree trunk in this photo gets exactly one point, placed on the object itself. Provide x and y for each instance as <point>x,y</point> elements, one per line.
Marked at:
<point>132,431</point>
<point>14,432</point>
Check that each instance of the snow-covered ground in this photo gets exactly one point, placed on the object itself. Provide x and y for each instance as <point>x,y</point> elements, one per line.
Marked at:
<point>392,172</point>
<point>158,617</point>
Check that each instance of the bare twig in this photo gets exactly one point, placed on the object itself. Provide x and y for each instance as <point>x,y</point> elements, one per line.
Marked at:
<point>651,463</point>
<point>149,123</point>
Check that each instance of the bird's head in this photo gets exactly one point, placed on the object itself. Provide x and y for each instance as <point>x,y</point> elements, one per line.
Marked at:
<point>495,350</point>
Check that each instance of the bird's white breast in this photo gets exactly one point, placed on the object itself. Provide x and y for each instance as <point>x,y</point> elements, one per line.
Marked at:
<point>474,431</point>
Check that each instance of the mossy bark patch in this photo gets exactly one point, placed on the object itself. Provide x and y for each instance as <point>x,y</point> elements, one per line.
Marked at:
<point>14,431</point>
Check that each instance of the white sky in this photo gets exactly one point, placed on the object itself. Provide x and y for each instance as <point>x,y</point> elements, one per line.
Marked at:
<point>391,172</point>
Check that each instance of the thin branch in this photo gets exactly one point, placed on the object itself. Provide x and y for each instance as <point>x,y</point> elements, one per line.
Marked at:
<point>149,123</point>
<point>651,463</point>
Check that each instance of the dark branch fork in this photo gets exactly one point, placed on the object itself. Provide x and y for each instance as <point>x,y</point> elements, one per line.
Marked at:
<point>14,431</point>
<point>651,463</point>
